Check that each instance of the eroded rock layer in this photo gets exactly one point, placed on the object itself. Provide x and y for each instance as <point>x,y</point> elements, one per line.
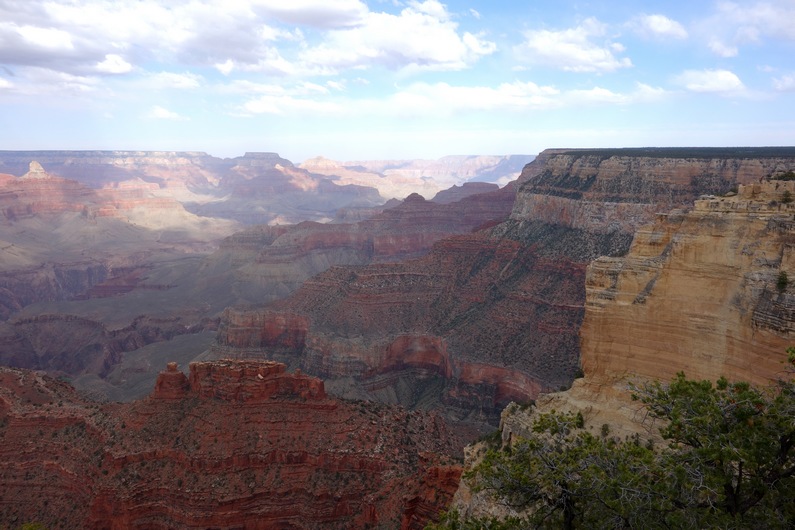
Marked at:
<point>705,292</point>
<point>232,445</point>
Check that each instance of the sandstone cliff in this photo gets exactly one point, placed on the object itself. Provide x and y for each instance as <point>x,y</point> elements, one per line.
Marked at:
<point>704,292</point>
<point>234,444</point>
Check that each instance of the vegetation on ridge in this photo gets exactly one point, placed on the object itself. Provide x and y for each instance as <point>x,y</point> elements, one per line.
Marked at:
<point>727,462</point>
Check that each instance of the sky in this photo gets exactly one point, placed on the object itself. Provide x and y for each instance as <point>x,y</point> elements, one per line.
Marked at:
<point>391,79</point>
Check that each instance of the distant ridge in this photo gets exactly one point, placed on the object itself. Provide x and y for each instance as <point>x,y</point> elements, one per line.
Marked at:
<point>685,152</point>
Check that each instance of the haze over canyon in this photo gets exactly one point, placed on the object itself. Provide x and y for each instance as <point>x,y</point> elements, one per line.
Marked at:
<point>191,341</point>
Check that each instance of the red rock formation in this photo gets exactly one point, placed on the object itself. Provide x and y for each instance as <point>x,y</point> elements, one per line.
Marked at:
<point>203,457</point>
<point>171,383</point>
<point>252,382</point>
<point>443,315</point>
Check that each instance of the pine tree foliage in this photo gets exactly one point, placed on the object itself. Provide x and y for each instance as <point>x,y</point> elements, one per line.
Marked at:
<point>727,461</point>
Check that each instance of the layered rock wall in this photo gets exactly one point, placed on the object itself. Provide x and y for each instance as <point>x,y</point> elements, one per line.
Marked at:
<point>621,189</point>
<point>705,292</point>
<point>699,292</point>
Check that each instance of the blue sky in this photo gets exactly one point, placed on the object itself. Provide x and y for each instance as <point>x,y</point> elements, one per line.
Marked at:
<point>349,79</point>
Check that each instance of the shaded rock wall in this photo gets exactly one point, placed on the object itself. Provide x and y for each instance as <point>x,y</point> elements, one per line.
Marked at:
<point>277,260</point>
<point>73,345</point>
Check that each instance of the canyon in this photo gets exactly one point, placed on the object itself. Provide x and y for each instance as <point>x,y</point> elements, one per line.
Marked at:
<point>450,316</point>
<point>493,316</point>
<point>240,444</point>
<point>111,255</point>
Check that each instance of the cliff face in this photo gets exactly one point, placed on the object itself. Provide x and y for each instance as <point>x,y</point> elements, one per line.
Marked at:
<point>234,444</point>
<point>620,189</point>
<point>703,291</point>
<point>699,292</point>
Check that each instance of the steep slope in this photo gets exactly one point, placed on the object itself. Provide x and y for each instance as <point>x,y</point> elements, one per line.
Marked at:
<point>495,315</point>
<point>234,444</point>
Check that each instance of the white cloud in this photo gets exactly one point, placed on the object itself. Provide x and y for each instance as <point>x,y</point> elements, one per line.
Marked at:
<point>442,98</point>
<point>5,84</point>
<point>52,38</point>
<point>784,83</point>
<point>722,49</point>
<point>710,81</point>
<point>658,26</point>
<point>288,105</point>
<point>160,113</point>
<point>242,86</point>
<point>336,85</point>
<point>432,8</point>
<point>37,82</point>
<point>171,80</point>
<point>114,64</point>
<point>421,37</point>
<point>99,36</point>
<point>734,24</point>
<point>318,13</point>
<point>572,49</point>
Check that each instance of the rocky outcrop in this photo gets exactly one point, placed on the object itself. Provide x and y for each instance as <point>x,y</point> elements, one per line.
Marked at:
<point>705,292</point>
<point>219,451</point>
<point>621,189</point>
<point>252,382</point>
